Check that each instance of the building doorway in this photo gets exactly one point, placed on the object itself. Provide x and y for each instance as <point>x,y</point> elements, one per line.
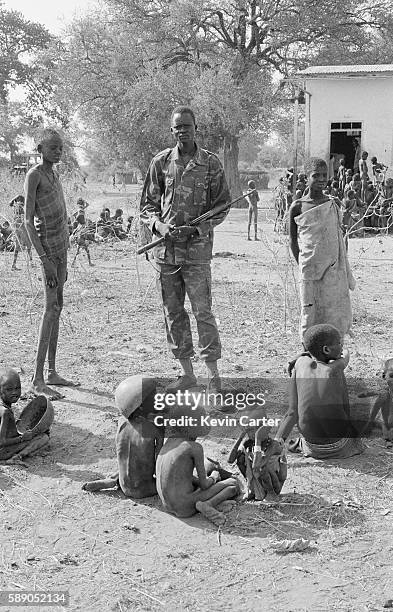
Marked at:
<point>346,143</point>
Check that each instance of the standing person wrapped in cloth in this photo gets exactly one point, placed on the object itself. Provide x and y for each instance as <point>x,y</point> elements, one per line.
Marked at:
<point>181,184</point>
<point>317,243</point>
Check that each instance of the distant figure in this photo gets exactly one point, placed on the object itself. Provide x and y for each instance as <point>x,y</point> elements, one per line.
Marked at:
<point>252,200</point>
<point>341,175</point>
<point>129,224</point>
<point>357,155</point>
<point>20,235</point>
<point>82,240</point>
<point>378,170</point>
<point>363,172</point>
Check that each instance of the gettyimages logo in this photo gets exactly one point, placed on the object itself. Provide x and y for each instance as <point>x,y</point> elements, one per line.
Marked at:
<point>195,399</point>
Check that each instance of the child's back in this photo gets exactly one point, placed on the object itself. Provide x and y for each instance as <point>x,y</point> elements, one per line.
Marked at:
<point>323,405</point>
<point>174,469</point>
<point>136,446</point>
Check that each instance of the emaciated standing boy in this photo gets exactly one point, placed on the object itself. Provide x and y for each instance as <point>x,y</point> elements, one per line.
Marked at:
<point>46,224</point>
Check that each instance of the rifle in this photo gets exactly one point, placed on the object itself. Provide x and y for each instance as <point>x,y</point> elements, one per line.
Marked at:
<point>207,215</point>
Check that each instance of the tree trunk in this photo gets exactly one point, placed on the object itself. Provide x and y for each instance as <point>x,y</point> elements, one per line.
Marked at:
<point>231,157</point>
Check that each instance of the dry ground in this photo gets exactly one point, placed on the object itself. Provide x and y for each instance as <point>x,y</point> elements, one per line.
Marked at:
<point>114,554</point>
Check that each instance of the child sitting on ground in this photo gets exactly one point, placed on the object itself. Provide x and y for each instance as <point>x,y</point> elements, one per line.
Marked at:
<point>181,493</point>
<point>318,399</point>
<point>13,444</point>
<point>138,440</point>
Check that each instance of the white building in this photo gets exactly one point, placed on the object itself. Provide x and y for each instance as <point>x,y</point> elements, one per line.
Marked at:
<point>349,107</point>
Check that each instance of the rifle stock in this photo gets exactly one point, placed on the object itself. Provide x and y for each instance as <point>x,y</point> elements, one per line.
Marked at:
<point>207,215</point>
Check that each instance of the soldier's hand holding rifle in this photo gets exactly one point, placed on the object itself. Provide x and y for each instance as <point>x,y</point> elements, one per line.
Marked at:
<point>171,232</point>
<point>181,233</point>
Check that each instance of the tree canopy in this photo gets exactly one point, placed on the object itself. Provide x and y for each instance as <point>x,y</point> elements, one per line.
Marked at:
<point>120,70</point>
<point>19,40</point>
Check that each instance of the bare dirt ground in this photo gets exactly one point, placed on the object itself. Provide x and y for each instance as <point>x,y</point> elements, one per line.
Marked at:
<point>115,554</point>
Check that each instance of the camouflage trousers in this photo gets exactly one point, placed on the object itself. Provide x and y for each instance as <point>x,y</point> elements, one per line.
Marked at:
<point>173,283</point>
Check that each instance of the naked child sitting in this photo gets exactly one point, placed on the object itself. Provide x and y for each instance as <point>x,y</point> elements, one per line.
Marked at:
<point>14,445</point>
<point>138,440</point>
<point>181,493</point>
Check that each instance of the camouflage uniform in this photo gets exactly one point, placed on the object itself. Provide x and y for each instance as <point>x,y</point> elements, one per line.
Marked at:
<point>177,194</point>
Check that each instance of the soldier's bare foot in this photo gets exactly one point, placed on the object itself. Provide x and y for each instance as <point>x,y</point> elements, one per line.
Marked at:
<point>216,517</point>
<point>54,378</point>
<point>40,388</point>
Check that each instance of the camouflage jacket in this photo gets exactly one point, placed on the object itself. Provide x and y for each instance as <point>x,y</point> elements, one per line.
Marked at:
<point>177,194</point>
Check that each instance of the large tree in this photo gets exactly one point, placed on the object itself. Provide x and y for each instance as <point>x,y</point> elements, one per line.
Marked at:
<point>123,69</point>
<point>253,35</point>
<point>19,40</point>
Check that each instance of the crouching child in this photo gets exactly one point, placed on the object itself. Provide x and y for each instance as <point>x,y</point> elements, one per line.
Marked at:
<point>260,458</point>
<point>138,440</point>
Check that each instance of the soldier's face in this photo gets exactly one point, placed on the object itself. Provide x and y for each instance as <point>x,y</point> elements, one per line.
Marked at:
<point>183,128</point>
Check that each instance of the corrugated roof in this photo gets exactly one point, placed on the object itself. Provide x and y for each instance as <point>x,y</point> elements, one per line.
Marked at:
<point>316,71</point>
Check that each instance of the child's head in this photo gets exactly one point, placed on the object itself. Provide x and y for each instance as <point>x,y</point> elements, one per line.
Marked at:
<point>10,386</point>
<point>374,160</point>
<point>118,212</point>
<point>323,342</point>
<point>6,224</point>
<point>251,184</point>
<point>133,393</point>
<point>342,162</point>
<point>50,145</point>
<point>189,420</point>
<point>364,155</point>
<point>348,172</point>
<point>317,172</point>
<point>351,194</point>
<point>335,184</point>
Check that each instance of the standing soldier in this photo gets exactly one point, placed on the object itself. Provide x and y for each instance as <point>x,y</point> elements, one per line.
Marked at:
<point>181,184</point>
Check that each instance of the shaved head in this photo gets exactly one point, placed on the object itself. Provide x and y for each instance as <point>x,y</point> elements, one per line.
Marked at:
<point>7,374</point>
